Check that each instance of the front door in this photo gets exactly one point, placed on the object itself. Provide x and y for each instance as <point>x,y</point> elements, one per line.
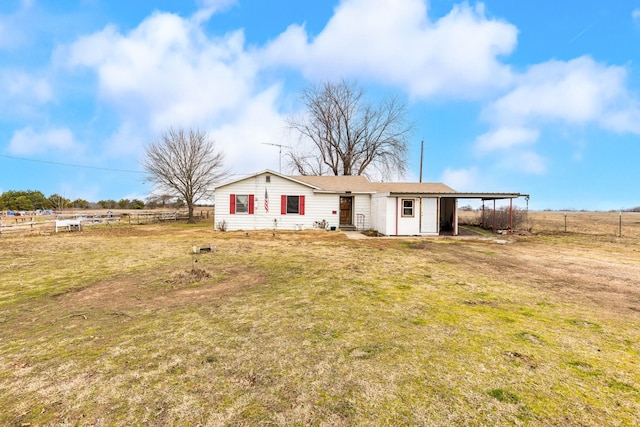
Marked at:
<point>346,210</point>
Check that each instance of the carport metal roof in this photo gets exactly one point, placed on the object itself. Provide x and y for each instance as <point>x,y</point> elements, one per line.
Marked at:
<point>486,196</point>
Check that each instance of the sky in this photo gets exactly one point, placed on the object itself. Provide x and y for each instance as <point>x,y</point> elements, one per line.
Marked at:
<point>537,97</point>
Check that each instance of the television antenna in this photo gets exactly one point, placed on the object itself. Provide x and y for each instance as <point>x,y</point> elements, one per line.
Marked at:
<point>279,153</point>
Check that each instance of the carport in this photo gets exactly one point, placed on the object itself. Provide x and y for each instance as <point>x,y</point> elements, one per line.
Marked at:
<point>450,203</point>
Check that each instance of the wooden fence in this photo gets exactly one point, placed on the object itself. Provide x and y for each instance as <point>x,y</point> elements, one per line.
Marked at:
<point>52,223</point>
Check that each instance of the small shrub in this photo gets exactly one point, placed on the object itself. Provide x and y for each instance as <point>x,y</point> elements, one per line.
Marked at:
<point>504,396</point>
<point>502,219</point>
<point>222,225</point>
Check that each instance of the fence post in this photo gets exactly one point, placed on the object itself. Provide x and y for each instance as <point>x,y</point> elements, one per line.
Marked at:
<point>620,225</point>
<point>565,222</point>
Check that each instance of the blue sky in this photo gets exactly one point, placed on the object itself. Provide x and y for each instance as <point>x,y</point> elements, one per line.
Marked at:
<point>539,97</point>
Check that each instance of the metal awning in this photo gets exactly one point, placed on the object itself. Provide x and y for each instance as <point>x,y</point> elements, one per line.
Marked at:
<point>485,196</point>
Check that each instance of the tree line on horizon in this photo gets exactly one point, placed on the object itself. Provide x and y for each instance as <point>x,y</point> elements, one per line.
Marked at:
<point>33,200</point>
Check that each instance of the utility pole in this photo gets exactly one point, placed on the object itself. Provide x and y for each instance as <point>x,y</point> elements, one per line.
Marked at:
<point>279,153</point>
<point>421,157</point>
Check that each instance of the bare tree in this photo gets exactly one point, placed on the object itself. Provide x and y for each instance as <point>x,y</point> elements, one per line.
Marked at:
<point>349,136</point>
<point>184,163</point>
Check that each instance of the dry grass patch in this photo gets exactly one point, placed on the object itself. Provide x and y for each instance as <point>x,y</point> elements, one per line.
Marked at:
<point>309,328</point>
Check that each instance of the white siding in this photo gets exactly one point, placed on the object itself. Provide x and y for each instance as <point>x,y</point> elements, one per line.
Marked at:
<point>319,207</point>
<point>375,215</point>
<point>362,206</point>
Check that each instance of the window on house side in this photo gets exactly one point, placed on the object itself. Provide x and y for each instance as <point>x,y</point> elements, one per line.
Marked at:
<point>407,207</point>
<point>267,178</point>
<point>293,204</point>
<point>242,203</point>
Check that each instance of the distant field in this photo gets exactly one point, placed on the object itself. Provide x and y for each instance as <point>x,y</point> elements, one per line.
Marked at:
<point>124,325</point>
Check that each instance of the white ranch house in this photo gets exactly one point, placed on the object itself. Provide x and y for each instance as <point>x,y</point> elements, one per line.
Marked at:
<point>270,200</point>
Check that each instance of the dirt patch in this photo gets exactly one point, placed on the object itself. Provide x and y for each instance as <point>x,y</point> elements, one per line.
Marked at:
<point>160,289</point>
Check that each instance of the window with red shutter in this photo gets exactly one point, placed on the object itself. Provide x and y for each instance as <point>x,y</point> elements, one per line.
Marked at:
<point>292,205</point>
<point>241,204</point>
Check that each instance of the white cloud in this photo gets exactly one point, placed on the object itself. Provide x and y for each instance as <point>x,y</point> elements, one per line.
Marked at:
<point>128,140</point>
<point>246,138</point>
<point>578,91</point>
<point>23,88</point>
<point>206,8</point>
<point>636,15</point>
<point>167,71</point>
<point>27,141</point>
<point>506,137</point>
<point>462,179</point>
<point>395,42</point>
<point>23,94</point>
<point>527,161</point>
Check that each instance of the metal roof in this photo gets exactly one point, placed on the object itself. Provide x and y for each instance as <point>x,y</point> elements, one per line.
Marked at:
<point>489,196</point>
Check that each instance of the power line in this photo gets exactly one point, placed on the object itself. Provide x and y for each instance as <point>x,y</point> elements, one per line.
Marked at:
<point>71,165</point>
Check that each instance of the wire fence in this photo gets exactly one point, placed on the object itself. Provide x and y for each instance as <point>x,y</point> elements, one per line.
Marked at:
<point>618,224</point>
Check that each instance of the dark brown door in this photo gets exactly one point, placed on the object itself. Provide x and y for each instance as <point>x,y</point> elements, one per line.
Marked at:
<point>346,210</point>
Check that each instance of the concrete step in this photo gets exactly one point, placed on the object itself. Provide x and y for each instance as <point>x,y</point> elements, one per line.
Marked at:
<point>346,227</point>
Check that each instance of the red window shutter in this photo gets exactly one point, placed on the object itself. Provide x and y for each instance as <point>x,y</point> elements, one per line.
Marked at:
<point>301,205</point>
<point>232,204</point>
<point>283,205</point>
<point>251,203</point>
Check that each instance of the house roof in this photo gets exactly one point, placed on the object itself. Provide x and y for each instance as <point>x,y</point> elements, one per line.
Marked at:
<point>360,184</point>
<point>353,183</point>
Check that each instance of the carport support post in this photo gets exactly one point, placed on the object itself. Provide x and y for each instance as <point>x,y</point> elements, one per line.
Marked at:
<point>510,216</point>
<point>494,215</point>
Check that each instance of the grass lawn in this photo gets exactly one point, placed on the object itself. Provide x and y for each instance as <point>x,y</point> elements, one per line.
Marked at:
<point>124,325</point>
